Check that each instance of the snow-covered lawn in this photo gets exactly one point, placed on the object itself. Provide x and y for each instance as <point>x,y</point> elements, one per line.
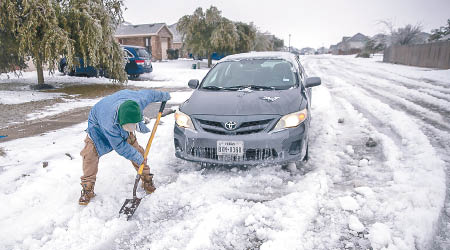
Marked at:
<point>168,74</point>
<point>348,196</point>
<point>17,97</point>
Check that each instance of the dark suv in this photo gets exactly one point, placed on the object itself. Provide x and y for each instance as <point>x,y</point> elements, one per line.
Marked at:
<point>249,109</point>
<point>137,62</point>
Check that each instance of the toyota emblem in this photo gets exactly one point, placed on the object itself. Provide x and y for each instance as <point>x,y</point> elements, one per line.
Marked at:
<point>230,125</point>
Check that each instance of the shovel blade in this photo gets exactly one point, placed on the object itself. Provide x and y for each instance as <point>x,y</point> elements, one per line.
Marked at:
<point>129,207</point>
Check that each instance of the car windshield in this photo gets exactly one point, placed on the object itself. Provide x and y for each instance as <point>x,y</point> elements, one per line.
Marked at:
<point>142,53</point>
<point>258,74</point>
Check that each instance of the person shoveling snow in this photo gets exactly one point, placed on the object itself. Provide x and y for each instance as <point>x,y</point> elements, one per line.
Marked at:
<point>112,123</point>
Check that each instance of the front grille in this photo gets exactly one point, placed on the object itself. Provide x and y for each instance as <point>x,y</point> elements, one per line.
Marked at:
<point>259,154</point>
<point>242,129</point>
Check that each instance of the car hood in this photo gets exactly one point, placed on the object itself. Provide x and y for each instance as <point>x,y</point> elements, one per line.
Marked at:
<point>273,102</point>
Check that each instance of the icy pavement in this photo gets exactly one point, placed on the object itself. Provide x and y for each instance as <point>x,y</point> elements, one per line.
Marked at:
<point>348,196</point>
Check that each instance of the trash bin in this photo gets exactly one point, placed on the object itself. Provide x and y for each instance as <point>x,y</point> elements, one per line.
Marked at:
<point>194,66</point>
<point>198,65</point>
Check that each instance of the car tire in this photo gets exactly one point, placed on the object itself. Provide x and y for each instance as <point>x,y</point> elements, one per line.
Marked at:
<point>65,70</point>
<point>306,157</point>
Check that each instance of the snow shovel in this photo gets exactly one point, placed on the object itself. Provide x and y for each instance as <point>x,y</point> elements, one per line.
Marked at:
<point>130,205</point>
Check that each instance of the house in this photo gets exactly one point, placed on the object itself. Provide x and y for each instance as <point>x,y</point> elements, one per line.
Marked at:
<point>333,49</point>
<point>351,45</point>
<point>177,41</point>
<point>157,37</point>
<point>307,51</point>
<point>322,50</point>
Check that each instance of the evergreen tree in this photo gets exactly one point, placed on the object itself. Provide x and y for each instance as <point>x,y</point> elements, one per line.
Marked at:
<point>277,44</point>
<point>45,30</point>
<point>247,36</point>
<point>262,42</point>
<point>437,34</point>
<point>208,32</point>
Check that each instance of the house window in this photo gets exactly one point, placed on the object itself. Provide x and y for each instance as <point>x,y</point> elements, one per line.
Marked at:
<point>147,42</point>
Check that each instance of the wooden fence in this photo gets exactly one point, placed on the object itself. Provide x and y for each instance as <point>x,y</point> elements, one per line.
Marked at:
<point>431,55</point>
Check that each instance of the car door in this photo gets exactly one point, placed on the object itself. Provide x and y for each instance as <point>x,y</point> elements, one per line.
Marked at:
<point>131,66</point>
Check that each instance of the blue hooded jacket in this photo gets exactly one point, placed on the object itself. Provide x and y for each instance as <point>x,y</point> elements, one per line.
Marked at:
<point>103,123</point>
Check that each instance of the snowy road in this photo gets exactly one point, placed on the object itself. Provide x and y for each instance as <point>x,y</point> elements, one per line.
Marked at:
<point>348,196</point>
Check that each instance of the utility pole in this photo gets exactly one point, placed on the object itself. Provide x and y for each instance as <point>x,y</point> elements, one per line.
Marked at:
<point>289,42</point>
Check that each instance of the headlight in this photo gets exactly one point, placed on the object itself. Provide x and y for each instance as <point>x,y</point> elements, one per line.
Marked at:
<point>183,120</point>
<point>291,120</point>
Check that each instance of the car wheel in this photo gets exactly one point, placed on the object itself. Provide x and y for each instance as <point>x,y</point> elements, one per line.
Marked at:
<point>65,70</point>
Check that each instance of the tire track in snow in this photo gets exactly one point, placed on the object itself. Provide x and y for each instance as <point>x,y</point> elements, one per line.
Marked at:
<point>417,156</point>
<point>438,119</point>
<point>409,93</point>
<point>398,77</point>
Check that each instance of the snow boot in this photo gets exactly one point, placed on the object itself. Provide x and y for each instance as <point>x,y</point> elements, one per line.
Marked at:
<point>87,193</point>
<point>147,183</point>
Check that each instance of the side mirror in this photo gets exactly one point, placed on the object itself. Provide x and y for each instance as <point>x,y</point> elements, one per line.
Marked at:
<point>193,84</point>
<point>312,82</point>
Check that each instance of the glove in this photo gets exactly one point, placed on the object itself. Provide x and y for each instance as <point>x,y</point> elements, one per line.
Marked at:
<point>166,96</point>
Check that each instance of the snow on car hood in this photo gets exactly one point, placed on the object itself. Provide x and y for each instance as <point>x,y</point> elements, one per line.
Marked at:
<point>205,102</point>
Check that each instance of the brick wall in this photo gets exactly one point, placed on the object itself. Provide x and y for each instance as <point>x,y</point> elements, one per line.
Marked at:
<point>136,41</point>
<point>156,48</point>
<point>164,35</point>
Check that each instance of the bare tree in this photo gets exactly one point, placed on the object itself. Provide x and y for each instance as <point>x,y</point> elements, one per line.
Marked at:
<point>404,35</point>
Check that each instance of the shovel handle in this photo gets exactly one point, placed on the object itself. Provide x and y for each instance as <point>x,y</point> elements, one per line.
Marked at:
<point>149,144</point>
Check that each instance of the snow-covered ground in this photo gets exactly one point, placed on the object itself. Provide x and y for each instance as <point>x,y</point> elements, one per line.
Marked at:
<point>348,196</point>
<point>57,108</point>
<point>168,74</point>
<point>16,88</point>
<point>17,97</point>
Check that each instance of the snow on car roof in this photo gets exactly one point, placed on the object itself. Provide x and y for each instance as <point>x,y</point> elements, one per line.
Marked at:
<point>261,55</point>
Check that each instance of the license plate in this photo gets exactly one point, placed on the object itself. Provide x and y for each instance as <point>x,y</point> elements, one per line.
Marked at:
<point>233,148</point>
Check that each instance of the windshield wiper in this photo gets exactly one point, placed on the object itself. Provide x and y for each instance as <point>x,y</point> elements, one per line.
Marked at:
<point>259,87</point>
<point>212,87</point>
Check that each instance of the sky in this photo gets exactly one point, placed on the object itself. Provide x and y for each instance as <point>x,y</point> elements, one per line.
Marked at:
<point>311,23</point>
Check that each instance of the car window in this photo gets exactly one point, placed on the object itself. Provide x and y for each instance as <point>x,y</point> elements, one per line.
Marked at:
<point>267,73</point>
<point>142,53</point>
<point>128,54</point>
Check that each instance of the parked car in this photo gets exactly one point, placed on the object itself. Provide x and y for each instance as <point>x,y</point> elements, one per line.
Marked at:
<point>250,109</point>
<point>80,70</point>
<point>137,62</point>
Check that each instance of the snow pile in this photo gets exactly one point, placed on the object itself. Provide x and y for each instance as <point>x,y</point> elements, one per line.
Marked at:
<point>348,203</point>
<point>354,224</point>
<point>380,236</point>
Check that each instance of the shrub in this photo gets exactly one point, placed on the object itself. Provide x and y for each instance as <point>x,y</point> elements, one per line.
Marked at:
<point>363,55</point>
<point>172,54</point>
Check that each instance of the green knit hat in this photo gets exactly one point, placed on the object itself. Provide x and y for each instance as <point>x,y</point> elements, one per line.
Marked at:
<point>129,112</point>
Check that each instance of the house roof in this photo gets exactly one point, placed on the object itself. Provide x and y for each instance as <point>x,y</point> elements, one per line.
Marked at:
<point>138,30</point>
<point>358,38</point>
<point>177,38</point>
